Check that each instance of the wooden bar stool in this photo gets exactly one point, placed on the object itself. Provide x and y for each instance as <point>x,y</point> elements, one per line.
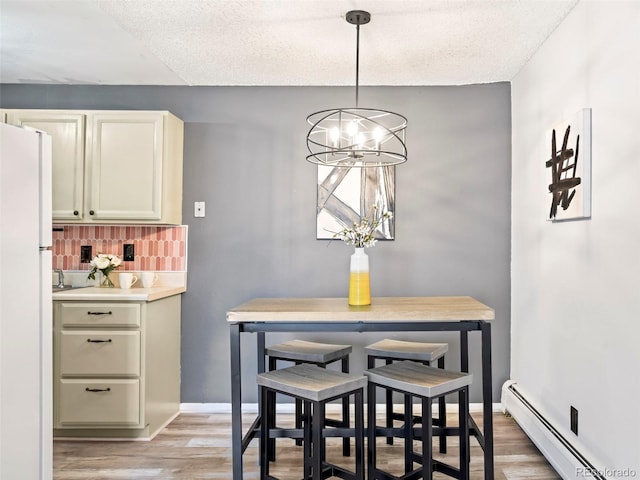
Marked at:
<point>314,387</point>
<point>315,353</point>
<point>426,383</point>
<point>391,351</point>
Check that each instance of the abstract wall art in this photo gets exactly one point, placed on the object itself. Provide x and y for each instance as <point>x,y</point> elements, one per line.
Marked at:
<point>569,168</point>
<point>346,194</point>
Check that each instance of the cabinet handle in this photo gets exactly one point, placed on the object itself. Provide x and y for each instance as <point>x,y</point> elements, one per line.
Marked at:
<point>76,213</point>
<point>99,313</point>
<point>98,341</point>
<point>91,212</point>
<point>97,389</point>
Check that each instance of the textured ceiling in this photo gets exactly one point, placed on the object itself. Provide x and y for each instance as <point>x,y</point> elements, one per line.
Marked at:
<point>270,42</point>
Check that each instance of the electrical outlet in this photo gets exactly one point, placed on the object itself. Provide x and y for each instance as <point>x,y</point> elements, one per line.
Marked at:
<point>86,254</point>
<point>128,253</point>
<point>574,420</point>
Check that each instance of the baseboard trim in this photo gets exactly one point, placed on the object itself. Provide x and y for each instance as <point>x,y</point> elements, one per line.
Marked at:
<point>289,407</point>
<point>561,454</point>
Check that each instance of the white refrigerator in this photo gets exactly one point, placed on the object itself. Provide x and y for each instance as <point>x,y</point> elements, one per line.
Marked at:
<point>26,398</point>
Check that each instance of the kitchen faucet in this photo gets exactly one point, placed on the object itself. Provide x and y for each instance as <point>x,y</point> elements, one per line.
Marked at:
<point>60,278</point>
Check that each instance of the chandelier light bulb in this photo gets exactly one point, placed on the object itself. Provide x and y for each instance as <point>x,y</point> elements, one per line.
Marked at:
<point>334,135</point>
<point>352,129</point>
<point>378,134</point>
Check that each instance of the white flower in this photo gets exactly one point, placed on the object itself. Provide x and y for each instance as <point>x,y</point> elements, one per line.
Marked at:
<point>362,234</point>
<point>102,263</point>
<point>105,263</point>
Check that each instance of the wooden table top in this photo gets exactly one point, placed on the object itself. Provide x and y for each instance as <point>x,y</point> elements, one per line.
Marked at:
<point>382,309</point>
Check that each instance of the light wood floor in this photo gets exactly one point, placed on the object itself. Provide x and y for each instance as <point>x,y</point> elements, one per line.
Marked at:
<point>197,446</point>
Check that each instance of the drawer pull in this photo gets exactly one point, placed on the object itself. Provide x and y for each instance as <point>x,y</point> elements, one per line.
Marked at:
<point>99,313</point>
<point>98,341</point>
<point>97,389</point>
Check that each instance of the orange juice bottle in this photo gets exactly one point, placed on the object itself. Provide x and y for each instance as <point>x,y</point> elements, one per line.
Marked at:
<point>359,286</point>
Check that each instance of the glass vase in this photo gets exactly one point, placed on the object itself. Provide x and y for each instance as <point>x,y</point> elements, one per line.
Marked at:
<point>359,287</point>
<point>106,281</point>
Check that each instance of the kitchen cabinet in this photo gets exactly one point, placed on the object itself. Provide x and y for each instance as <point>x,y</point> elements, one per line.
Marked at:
<point>116,367</point>
<point>67,132</point>
<point>122,167</point>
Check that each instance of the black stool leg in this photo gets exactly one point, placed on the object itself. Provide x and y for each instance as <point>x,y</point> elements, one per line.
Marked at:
<point>318,450</point>
<point>307,467</point>
<point>264,434</point>
<point>442,415</point>
<point>271,423</point>
<point>271,415</point>
<point>389,406</point>
<point>298,419</point>
<point>371,363</point>
<point>359,440</point>
<point>371,431</point>
<point>298,414</point>
<point>427,432</point>
<point>346,443</point>
<point>463,418</point>
<point>408,433</point>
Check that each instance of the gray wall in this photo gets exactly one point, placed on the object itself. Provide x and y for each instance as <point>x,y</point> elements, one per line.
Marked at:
<point>244,156</point>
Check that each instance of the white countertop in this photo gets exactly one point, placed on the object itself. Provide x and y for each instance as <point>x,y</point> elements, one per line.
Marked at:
<point>118,294</point>
<point>168,284</point>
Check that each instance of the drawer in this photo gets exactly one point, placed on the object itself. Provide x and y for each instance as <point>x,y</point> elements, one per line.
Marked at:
<point>78,314</point>
<point>95,402</point>
<point>99,352</point>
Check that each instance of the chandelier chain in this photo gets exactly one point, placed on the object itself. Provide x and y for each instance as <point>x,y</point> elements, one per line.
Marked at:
<point>357,61</point>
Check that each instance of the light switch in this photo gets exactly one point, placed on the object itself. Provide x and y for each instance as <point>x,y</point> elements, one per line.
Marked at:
<point>198,209</point>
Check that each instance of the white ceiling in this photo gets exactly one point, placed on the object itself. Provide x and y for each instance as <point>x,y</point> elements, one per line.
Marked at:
<point>270,42</point>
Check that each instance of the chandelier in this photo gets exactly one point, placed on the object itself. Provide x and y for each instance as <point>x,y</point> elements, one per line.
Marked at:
<point>356,137</point>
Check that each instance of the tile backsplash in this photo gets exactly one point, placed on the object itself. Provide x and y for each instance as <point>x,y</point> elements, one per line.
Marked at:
<point>158,248</point>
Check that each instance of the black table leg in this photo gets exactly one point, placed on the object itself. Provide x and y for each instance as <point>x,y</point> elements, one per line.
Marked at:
<point>236,402</point>
<point>487,399</point>
<point>464,351</point>
<point>260,360</point>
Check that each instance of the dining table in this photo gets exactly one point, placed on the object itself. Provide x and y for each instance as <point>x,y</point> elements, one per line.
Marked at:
<point>461,314</point>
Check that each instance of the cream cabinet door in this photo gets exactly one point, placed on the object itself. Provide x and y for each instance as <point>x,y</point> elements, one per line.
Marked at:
<point>99,352</point>
<point>99,315</point>
<point>125,169</point>
<point>67,138</point>
<point>99,402</point>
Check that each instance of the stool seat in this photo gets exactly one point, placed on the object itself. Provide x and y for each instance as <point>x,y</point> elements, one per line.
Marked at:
<point>311,382</point>
<point>311,352</point>
<point>418,379</point>
<point>400,349</point>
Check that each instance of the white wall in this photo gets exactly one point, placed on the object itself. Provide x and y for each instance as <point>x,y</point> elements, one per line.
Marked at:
<point>575,336</point>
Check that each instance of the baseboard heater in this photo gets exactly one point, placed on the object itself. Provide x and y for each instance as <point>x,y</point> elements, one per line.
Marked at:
<point>560,453</point>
